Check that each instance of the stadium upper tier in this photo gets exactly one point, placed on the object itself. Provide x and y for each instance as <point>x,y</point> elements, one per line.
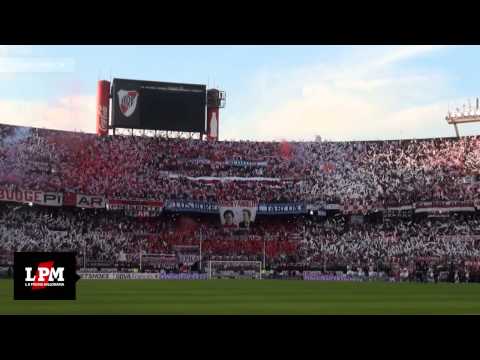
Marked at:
<point>157,168</point>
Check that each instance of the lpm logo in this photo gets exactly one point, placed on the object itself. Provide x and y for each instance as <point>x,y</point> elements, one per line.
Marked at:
<point>44,276</point>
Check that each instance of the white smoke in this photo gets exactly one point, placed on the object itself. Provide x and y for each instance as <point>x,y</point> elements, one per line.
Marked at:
<point>19,134</point>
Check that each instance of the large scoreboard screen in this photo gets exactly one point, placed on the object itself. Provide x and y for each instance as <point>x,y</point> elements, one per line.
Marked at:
<point>155,105</point>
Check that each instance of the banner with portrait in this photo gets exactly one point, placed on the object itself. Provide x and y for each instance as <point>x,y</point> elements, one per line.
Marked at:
<point>238,214</point>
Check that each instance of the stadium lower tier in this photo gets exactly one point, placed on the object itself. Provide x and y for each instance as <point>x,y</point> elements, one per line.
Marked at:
<point>183,242</point>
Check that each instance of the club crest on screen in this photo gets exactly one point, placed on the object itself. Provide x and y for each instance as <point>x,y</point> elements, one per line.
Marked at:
<point>127,101</point>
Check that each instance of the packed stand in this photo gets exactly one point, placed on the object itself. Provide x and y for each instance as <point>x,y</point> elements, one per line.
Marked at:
<point>381,172</point>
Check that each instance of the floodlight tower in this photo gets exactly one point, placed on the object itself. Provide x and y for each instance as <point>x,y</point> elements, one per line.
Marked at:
<point>465,116</point>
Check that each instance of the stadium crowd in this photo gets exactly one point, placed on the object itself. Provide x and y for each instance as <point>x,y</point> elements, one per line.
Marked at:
<point>363,173</point>
<point>395,241</point>
<point>381,172</point>
<point>302,241</point>
<point>103,235</point>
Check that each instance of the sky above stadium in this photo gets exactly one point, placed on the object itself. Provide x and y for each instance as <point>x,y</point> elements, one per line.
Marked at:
<point>273,92</point>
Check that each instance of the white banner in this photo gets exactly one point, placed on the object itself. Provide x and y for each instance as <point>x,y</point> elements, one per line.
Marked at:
<point>332,207</point>
<point>227,178</point>
<point>246,163</point>
<point>137,207</point>
<point>237,214</point>
<point>31,196</point>
<point>237,162</point>
<point>232,178</point>
<point>90,202</point>
<point>51,199</point>
<point>443,206</point>
<point>460,237</point>
<point>57,232</point>
<point>399,208</point>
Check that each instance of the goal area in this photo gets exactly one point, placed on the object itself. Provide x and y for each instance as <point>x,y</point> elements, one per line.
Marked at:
<point>234,269</point>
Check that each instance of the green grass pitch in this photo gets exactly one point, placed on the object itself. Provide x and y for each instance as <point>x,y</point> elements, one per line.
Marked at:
<point>252,297</point>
